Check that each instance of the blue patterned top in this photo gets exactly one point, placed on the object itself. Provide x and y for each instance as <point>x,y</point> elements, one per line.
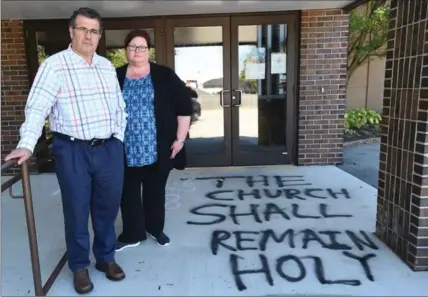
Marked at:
<point>140,135</point>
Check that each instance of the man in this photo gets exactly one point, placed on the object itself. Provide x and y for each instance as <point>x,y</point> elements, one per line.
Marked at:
<point>79,91</point>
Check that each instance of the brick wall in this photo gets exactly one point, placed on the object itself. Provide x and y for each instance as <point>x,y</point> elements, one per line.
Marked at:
<point>402,210</point>
<point>14,84</point>
<point>323,64</point>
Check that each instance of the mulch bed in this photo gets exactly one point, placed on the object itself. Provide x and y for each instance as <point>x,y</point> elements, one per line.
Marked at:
<point>362,134</point>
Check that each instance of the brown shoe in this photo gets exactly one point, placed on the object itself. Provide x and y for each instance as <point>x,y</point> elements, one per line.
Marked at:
<point>82,281</point>
<point>112,270</point>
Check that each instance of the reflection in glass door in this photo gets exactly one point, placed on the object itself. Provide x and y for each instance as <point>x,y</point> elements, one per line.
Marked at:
<point>199,60</point>
<point>262,90</point>
<point>48,41</point>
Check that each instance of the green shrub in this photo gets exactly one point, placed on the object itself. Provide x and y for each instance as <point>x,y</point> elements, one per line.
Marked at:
<point>361,117</point>
<point>48,129</point>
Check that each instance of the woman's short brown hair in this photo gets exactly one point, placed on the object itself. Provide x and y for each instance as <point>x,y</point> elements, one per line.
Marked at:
<point>138,33</point>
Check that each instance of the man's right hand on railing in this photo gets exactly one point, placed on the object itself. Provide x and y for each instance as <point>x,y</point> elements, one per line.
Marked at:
<point>22,154</point>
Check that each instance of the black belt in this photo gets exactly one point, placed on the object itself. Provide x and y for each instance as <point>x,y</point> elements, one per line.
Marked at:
<point>91,142</point>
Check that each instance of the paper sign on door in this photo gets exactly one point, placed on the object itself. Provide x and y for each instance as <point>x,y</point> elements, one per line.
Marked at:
<point>278,63</point>
<point>255,64</point>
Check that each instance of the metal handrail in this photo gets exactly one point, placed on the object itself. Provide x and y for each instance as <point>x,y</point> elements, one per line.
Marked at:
<point>24,175</point>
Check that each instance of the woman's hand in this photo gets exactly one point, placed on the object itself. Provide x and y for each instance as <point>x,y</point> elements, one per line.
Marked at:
<point>176,147</point>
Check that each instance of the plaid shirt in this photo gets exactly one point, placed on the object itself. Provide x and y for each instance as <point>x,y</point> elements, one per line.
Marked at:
<point>83,101</point>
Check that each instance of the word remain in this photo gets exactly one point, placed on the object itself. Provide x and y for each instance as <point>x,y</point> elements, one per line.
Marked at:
<point>258,240</point>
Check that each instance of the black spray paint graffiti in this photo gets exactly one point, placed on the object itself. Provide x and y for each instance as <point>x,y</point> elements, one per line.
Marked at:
<point>282,201</point>
<point>259,213</point>
<point>240,240</point>
<point>278,180</point>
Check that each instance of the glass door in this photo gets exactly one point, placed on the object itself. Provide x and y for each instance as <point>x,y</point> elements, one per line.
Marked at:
<point>44,39</point>
<point>198,49</point>
<point>263,73</point>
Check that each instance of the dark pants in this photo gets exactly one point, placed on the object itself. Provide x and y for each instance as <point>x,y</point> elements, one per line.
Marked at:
<point>90,179</point>
<point>146,212</point>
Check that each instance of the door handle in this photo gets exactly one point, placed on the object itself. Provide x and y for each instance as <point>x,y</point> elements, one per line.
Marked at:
<point>222,98</point>
<point>237,98</point>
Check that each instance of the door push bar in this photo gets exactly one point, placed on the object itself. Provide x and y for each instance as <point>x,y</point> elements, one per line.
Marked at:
<point>222,98</point>
<point>236,99</point>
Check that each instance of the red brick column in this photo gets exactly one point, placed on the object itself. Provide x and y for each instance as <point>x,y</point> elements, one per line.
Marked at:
<point>402,211</point>
<point>323,66</point>
<point>14,83</point>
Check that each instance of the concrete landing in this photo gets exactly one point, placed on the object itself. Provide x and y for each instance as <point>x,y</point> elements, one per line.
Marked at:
<point>253,231</point>
<point>362,161</point>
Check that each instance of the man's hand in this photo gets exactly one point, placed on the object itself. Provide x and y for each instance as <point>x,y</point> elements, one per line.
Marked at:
<point>22,154</point>
<point>176,148</point>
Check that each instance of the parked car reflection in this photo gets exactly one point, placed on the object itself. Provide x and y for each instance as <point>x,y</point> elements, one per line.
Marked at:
<point>196,105</point>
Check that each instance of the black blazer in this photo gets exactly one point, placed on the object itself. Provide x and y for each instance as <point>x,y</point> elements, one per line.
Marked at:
<point>171,100</point>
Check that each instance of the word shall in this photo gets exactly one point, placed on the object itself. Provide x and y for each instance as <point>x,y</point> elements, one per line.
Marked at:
<point>259,211</point>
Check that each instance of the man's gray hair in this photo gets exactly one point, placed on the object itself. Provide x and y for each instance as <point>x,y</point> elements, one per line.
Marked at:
<point>86,12</point>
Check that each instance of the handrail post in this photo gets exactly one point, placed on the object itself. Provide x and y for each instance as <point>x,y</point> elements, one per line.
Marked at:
<point>31,226</point>
<point>24,175</point>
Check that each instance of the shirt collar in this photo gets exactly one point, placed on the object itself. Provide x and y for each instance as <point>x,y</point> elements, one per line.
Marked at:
<point>75,56</point>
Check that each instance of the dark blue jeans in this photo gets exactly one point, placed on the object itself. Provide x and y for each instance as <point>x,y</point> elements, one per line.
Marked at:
<point>91,181</point>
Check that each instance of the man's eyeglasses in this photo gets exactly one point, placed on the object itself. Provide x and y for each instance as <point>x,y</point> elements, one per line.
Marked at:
<point>140,48</point>
<point>86,30</point>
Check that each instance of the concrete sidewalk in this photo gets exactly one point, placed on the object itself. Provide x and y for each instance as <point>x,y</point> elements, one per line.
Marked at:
<point>253,231</point>
<point>362,161</point>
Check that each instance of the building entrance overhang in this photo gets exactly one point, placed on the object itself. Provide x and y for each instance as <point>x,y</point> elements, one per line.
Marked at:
<point>27,10</point>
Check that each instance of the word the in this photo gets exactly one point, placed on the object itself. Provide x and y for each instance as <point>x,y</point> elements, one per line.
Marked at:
<point>267,181</point>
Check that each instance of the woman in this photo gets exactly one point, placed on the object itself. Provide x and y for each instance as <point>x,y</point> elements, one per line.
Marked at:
<point>159,110</point>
